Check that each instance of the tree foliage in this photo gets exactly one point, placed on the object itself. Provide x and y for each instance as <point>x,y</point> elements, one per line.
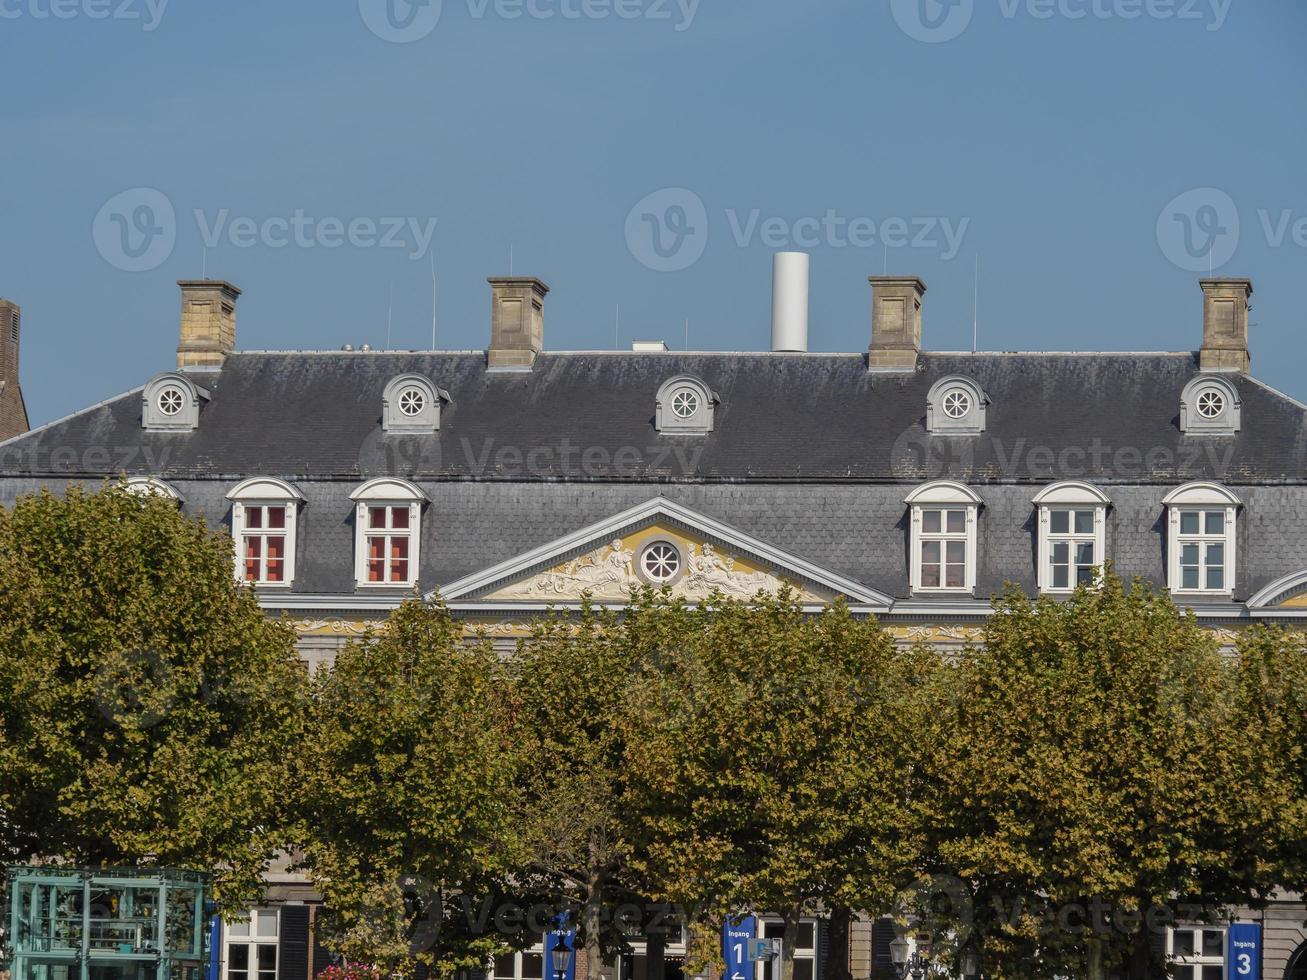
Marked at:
<point>1095,772</point>
<point>769,754</point>
<point>409,789</point>
<point>149,704</point>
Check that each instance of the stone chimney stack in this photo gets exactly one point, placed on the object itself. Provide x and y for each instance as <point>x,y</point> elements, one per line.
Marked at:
<point>517,322</point>
<point>1225,325</point>
<point>895,323</point>
<point>208,328</point>
<point>13,412</point>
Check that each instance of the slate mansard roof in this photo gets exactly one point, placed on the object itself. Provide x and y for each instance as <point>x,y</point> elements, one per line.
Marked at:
<point>811,453</point>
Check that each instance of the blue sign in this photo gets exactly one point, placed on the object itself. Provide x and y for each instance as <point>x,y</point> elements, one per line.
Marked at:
<point>1243,953</point>
<point>566,936</point>
<point>735,948</point>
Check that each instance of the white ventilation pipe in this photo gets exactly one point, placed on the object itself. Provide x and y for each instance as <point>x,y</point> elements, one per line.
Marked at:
<point>789,302</point>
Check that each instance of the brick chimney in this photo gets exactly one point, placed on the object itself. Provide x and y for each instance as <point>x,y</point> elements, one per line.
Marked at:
<point>208,329</point>
<point>1225,325</point>
<point>517,322</point>
<point>895,323</point>
<point>13,412</point>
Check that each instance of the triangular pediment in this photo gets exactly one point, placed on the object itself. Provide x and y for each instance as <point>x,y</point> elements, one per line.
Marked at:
<point>658,544</point>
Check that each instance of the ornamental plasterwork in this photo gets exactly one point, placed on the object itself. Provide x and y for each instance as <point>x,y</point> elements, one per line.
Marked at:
<point>608,573</point>
<point>336,627</point>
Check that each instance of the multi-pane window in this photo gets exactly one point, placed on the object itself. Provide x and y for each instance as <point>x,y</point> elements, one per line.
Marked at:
<point>263,542</point>
<point>1197,954</point>
<point>388,519</point>
<point>1202,546</point>
<point>526,965</point>
<point>389,545</point>
<point>943,549</point>
<point>1072,549</point>
<point>251,947</point>
<point>942,555</point>
<point>805,949</point>
<point>1202,520</point>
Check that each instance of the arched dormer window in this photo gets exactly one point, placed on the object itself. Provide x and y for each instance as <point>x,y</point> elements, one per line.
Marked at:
<point>170,402</point>
<point>148,486</point>
<point>263,522</point>
<point>1201,520</point>
<point>411,404</point>
<point>1072,535</point>
<point>956,406</point>
<point>387,533</point>
<point>685,406</point>
<point>1210,405</point>
<point>943,524</point>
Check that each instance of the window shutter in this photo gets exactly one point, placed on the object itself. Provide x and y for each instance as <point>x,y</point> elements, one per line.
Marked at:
<point>293,956</point>
<point>322,957</point>
<point>823,949</point>
<point>882,959</point>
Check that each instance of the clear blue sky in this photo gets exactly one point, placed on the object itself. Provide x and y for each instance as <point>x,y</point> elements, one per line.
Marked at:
<point>1050,144</point>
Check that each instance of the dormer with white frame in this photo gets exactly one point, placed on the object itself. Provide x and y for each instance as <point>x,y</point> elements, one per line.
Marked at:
<point>1202,523</point>
<point>264,514</point>
<point>1072,530</point>
<point>170,402</point>
<point>1210,406</point>
<point>149,486</point>
<point>685,406</point>
<point>956,406</point>
<point>387,533</point>
<point>943,528</point>
<point>411,405</point>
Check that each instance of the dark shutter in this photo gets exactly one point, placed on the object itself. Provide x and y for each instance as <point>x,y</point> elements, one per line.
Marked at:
<point>322,957</point>
<point>823,948</point>
<point>293,956</point>
<point>882,958</point>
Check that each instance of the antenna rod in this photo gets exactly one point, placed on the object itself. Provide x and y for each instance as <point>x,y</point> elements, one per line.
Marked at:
<point>390,313</point>
<point>617,327</point>
<point>433,301</point>
<point>975,311</point>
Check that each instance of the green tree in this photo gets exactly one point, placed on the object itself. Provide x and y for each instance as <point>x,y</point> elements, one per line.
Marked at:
<point>572,678</point>
<point>149,704</point>
<point>770,757</point>
<point>1095,774</point>
<point>409,790</point>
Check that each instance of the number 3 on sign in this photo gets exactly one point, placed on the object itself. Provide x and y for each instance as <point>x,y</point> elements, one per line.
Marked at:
<point>1245,967</point>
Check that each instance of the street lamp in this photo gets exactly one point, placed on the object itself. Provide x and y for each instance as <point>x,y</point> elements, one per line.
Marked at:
<point>562,957</point>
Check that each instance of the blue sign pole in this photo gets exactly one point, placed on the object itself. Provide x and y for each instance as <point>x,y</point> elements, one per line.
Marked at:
<point>565,935</point>
<point>1243,953</point>
<point>735,947</point>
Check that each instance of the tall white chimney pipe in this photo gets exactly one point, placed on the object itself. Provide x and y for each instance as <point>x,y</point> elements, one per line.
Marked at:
<point>789,302</point>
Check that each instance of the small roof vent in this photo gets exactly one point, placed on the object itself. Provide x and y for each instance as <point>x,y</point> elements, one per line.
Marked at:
<point>649,346</point>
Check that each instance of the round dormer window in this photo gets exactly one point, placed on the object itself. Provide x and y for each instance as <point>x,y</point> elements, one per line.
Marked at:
<point>685,404</point>
<point>661,562</point>
<point>957,403</point>
<point>412,402</point>
<point>171,401</point>
<point>1211,404</point>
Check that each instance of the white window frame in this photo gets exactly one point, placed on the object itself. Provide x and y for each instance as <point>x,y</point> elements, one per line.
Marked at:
<point>943,495</point>
<point>801,953</point>
<point>536,949</point>
<point>264,492</point>
<point>149,486</point>
<point>1197,959</point>
<point>1069,496</point>
<point>388,493</point>
<point>1201,498</point>
<point>251,940</point>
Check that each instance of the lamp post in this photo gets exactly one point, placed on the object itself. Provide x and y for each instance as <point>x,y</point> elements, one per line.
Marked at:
<point>917,965</point>
<point>562,958</point>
